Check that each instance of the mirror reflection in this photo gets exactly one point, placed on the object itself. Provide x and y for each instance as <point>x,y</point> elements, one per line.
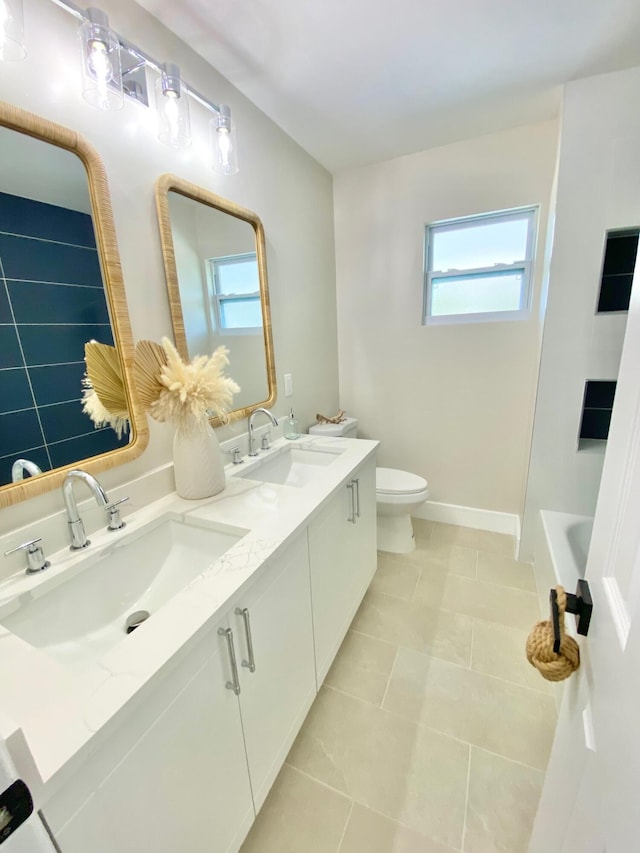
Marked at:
<point>52,302</point>
<point>216,275</point>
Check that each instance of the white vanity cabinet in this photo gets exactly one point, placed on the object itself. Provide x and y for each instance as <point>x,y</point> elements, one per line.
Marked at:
<point>342,554</point>
<point>174,775</point>
<point>194,749</point>
<point>189,760</point>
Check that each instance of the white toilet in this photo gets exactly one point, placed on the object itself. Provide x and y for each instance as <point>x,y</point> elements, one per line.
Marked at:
<point>398,494</point>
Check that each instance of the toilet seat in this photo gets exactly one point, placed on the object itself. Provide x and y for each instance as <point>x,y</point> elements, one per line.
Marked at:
<point>394,482</point>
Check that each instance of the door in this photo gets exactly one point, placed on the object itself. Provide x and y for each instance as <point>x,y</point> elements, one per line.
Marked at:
<point>590,798</point>
<point>274,625</point>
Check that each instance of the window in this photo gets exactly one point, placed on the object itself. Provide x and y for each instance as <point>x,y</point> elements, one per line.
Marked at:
<point>236,292</point>
<point>479,268</point>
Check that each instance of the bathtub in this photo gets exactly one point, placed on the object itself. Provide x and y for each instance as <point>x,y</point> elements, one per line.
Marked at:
<point>560,557</point>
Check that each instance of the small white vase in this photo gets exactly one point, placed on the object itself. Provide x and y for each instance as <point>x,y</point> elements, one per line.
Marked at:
<point>197,461</point>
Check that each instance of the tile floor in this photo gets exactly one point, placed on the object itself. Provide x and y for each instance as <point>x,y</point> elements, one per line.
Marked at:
<point>431,733</point>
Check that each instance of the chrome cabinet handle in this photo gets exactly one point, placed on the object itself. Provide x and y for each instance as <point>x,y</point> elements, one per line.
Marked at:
<point>235,684</point>
<point>357,482</point>
<point>352,517</point>
<point>251,663</point>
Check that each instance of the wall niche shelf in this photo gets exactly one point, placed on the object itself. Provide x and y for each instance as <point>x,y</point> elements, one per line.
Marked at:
<point>618,266</point>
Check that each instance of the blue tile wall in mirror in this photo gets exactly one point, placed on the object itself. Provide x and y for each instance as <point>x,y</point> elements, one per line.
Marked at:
<point>52,301</point>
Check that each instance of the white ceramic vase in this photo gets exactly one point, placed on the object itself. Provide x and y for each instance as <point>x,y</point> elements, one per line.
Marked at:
<point>197,460</point>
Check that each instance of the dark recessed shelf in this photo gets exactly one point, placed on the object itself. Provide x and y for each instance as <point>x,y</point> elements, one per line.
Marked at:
<point>617,270</point>
<point>596,409</point>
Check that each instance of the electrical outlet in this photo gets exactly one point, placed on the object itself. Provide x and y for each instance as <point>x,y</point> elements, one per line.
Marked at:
<point>288,385</point>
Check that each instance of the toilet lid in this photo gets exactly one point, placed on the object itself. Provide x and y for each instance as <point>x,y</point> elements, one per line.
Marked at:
<point>394,481</point>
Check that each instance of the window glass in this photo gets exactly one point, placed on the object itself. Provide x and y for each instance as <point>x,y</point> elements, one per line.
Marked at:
<point>240,313</point>
<point>480,245</point>
<point>237,275</point>
<point>476,294</point>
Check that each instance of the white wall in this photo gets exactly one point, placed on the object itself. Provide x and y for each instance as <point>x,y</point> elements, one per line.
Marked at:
<point>278,180</point>
<point>598,190</point>
<point>452,403</point>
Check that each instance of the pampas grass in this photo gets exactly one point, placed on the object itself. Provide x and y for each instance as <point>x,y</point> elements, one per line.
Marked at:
<point>183,392</point>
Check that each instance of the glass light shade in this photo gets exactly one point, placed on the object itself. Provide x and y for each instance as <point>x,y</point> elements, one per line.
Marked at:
<point>172,105</point>
<point>11,30</point>
<point>223,142</point>
<point>101,65</point>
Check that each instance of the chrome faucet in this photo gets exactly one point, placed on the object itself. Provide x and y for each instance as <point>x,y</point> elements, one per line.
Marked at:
<point>24,466</point>
<point>252,450</point>
<point>76,527</point>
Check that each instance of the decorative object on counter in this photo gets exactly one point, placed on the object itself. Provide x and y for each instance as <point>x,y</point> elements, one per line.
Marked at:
<point>542,643</point>
<point>103,394</point>
<point>336,419</point>
<point>291,427</point>
<point>185,393</point>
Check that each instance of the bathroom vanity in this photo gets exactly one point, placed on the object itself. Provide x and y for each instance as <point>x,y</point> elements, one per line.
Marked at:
<point>170,738</point>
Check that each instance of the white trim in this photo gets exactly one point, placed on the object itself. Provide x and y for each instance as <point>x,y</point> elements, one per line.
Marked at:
<point>469,516</point>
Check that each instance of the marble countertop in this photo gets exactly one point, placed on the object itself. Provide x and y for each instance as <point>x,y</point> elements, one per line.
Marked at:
<point>62,712</point>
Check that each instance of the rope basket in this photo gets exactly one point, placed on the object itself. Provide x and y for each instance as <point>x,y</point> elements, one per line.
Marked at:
<point>552,666</point>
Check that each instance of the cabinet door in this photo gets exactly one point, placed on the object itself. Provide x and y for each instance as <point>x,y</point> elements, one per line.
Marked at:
<point>183,785</point>
<point>342,560</point>
<point>275,698</point>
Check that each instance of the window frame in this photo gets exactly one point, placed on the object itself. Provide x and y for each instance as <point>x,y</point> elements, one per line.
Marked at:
<point>530,212</point>
<point>218,298</point>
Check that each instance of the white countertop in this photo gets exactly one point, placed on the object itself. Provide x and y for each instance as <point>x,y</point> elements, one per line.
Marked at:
<point>62,712</point>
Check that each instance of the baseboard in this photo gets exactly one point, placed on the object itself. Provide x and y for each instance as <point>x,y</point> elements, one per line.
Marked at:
<point>469,516</point>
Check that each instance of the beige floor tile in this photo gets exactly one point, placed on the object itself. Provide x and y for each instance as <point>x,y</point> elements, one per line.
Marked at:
<point>395,575</point>
<point>407,772</point>
<point>454,559</point>
<point>370,832</point>
<point>500,651</point>
<point>513,607</point>
<point>298,815</point>
<point>503,797</point>
<point>425,629</point>
<point>495,568</point>
<point>496,715</point>
<point>469,537</point>
<point>362,667</point>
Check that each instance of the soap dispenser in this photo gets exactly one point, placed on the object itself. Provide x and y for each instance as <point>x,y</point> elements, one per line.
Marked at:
<point>291,427</point>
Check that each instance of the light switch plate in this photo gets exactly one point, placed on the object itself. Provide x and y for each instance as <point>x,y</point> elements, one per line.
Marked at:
<point>288,385</point>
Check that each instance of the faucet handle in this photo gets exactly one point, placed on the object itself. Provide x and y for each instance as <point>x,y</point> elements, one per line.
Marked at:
<point>36,561</point>
<point>113,513</point>
<point>265,440</point>
<point>236,455</point>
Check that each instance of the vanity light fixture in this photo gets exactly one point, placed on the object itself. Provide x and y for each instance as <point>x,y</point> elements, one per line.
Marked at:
<point>101,65</point>
<point>223,142</point>
<point>114,67</point>
<point>11,30</point>
<point>172,104</point>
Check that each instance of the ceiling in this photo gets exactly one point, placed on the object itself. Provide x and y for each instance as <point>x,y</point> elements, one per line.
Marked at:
<point>360,81</point>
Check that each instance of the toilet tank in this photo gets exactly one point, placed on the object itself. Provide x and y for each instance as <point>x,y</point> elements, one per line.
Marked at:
<point>347,429</point>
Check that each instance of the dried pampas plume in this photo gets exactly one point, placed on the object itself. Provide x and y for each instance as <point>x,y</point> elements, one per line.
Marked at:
<point>180,392</point>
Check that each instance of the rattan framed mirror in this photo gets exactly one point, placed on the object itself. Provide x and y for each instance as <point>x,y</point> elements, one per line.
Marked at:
<point>215,265</point>
<point>61,287</point>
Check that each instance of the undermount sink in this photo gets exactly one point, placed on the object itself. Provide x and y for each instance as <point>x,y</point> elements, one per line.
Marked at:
<point>79,619</point>
<point>291,466</point>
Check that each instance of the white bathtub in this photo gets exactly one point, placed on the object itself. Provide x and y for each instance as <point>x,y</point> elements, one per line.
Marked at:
<point>560,557</point>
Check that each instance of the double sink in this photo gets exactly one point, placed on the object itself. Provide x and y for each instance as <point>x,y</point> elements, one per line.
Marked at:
<point>77,616</point>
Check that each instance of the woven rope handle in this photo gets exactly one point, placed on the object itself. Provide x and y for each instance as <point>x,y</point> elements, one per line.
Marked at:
<point>552,666</point>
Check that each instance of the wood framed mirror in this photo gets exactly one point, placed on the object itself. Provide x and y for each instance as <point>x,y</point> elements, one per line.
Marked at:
<point>216,271</point>
<point>61,286</point>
